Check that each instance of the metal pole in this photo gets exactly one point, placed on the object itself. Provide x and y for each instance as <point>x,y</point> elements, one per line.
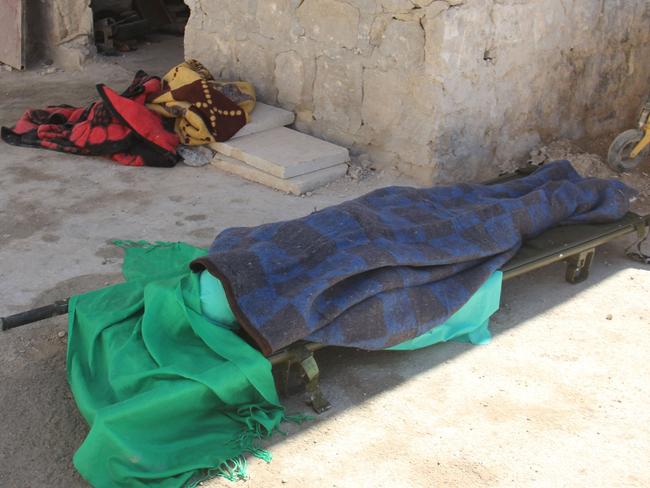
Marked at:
<point>59,307</point>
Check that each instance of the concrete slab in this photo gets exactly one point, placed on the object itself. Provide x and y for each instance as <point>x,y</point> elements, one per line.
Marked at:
<point>265,117</point>
<point>283,152</point>
<point>296,185</point>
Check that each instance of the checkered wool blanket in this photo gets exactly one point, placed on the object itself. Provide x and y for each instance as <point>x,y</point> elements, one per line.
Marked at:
<point>389,266</point>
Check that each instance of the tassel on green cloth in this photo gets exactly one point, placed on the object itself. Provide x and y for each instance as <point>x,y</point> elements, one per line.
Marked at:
<point>170,399</point>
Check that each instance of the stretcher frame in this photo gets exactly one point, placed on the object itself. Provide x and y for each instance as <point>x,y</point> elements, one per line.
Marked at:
<point>295,367</point>
<point>575,245</point>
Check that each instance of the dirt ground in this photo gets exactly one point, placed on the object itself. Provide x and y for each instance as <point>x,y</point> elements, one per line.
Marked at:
<point>559,398</point>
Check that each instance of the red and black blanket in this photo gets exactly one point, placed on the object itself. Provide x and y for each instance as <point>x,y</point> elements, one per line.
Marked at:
<point>117,126</point>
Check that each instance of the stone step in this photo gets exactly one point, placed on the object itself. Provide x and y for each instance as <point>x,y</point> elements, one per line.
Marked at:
<point>284,153</point>
<point>296,185</point>
<point>265,117</point>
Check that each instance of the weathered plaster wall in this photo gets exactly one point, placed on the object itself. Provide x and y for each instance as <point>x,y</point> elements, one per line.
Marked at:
<point>60,31</point>
<point>444,90</point>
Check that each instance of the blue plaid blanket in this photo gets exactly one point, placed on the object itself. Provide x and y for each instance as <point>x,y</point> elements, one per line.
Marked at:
<point>390,265</point>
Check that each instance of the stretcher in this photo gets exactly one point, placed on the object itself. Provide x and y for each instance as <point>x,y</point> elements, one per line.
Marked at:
<point>295,367</point>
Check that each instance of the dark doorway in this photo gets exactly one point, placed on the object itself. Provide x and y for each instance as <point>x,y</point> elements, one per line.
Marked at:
<point>122,26</point>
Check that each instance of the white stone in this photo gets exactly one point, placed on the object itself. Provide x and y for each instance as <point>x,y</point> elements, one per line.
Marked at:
<point>378,28</point>
<point>296,185</point>
<point>283,152</point>
<point>330,21</point>
<point>383,100</point>
<point>254,65</point>
<point>289,77</point>
<point>338,93</point>
<point>273,17</point>
<point>403,43</point>
<point>396,5</point>
<point>265,117</point>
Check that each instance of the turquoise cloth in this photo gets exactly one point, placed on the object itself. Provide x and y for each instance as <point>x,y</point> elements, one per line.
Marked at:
<point>469,324</point>
<point>214,303</point>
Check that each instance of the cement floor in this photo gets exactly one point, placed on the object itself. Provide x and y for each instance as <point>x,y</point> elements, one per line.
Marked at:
<point>559,398</point>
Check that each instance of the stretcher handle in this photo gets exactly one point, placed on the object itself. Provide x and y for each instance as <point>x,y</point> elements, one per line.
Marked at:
<point>60,307</point>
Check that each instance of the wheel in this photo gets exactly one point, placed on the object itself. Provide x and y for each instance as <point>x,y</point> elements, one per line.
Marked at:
<point>618,156</point>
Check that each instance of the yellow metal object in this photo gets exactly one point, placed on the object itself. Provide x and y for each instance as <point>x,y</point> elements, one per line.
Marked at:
<point>641,145</point>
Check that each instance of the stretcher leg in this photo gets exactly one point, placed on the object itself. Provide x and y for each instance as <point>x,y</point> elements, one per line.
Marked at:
<point>578,266</point>
<point>301,361</point>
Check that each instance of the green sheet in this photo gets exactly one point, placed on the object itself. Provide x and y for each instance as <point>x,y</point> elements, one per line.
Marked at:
<point>170,398</point>
<point>469,324</point>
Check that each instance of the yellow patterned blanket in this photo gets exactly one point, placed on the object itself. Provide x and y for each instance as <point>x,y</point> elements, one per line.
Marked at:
<point>206,110</point>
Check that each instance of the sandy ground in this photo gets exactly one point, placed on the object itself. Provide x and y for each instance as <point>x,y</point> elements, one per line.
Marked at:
<point>559,398</point>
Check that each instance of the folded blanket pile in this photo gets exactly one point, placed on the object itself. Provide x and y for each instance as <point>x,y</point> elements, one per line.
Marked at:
<point>144,125</point>
<point>205,110</point>
<point>117,126</point>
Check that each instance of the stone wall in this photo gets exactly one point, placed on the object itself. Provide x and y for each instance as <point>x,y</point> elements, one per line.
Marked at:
<point>443,90</point>
<point>60,31</point>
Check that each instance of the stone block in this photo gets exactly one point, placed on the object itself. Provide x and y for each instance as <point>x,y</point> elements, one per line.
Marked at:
<point>396,5</point>
<point>338,93</point>
<point>403,43</point>
<point>274,17</point>
<point>284,153</point>
<point>289,77</point>
<point>331,22</point>
<point>265,117</point>
<point>384,95</point>
<point>296,185</point>
<point>254,65</point>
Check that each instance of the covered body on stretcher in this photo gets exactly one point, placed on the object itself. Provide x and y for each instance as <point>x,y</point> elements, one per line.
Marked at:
<point>575,245</point>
